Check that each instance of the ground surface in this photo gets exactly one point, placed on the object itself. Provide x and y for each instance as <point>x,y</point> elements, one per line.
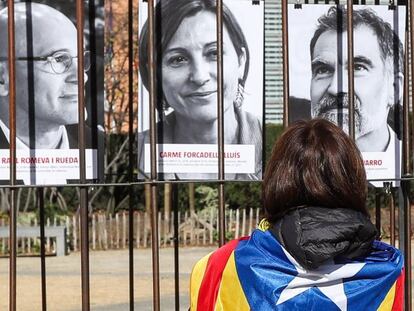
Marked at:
<point>108,280</point>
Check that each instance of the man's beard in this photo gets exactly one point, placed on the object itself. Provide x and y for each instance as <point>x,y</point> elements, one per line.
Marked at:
<point>335,109</point>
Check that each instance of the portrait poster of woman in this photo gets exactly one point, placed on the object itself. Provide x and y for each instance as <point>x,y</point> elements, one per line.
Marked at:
<point>186,83</point>
<point>318,76</point>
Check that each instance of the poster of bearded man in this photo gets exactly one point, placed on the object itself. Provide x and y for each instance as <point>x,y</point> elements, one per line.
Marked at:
<point>318,77</point>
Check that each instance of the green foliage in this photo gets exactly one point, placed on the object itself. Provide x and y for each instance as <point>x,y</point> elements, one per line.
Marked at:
<point>24,219</point>
<point>272,133</point>
<point>51,211</point>
<point>206,197</point>
<point>243,195</point>
<point>229,235</point>
<point>112,199</point>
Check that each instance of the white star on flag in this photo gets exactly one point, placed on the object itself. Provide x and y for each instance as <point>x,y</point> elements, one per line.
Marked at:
<point>328,278</point>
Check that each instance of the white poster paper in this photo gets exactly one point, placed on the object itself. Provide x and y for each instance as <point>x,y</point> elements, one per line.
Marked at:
<point>47,93</point>
<point>187,89</point>
<point>318,78</point>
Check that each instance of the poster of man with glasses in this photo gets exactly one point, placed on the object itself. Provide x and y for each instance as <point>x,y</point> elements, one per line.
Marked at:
<point>46,97</point>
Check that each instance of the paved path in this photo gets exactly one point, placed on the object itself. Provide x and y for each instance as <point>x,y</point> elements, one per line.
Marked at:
<point>108,280</point>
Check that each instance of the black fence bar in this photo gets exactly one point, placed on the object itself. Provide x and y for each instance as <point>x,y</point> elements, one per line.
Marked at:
<point>350,37</point>
<point>391,204</point>
<point>131,247</point>
<point>41,206</point>
<point>153,153</point>
<point>81,89</point>
<point>84,221</point>
<point>220,116</point>
<point>406,169</point>
<point>131,158</point>
<point>407,160</point>
<point>408,73</point>
<point>155,250</point>
<point>285,51</point>
<point>84,229</point>
<point>407,245</point>
<point>378,209</point>
<point>407,224</point>
<point>12,250</point>
<point>12,126</point>
<point>161,182</point>
<point>176,247</point>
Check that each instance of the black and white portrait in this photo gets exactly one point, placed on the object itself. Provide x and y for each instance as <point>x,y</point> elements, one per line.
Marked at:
<point>186,83</point>
<point>46,91</point>
<point>319,76</point>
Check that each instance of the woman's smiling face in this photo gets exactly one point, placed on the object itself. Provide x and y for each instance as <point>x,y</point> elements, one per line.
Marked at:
<point>189,69</point>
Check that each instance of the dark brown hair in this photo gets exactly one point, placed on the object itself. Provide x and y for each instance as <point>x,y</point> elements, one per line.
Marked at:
<point>390,44</point>
<point>314,163</point>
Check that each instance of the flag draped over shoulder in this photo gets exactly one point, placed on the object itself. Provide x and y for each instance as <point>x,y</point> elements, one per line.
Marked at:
<point>257,273</point>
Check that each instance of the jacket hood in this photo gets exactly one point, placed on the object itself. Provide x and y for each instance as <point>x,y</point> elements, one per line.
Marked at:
<point>314,235</point>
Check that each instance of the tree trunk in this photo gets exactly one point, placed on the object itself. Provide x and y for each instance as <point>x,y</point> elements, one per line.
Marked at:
<point>191,197</point>
<point>148,204</point>
<point>28,197</point>
<point>167,206</point>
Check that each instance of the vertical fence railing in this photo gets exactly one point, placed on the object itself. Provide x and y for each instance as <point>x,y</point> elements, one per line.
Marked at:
<point>220,117</point>
<point>41,206</point>
<point>391,204</point>
<point>131,153</point>
<point>285,52</point>
<point>84,221</point>
<point>350,58</point>
<point>12,126</point>
<point>407,167</point>
<point>153,156</point>
<point>176,247</point>
<point>378,209</point>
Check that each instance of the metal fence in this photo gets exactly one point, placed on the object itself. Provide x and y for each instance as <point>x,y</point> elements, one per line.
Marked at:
<point>154,183</point>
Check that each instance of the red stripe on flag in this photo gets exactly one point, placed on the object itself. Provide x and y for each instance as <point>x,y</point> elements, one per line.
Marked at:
<point>399,293</point>
<point>210,284</point>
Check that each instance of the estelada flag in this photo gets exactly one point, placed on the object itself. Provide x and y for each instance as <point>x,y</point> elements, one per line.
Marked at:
<point>257,273</point>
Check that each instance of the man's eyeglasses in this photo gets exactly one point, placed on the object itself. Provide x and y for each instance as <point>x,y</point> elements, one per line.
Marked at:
<point>58,62</point>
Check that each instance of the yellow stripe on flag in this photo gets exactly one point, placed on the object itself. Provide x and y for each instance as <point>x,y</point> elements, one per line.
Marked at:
<point>196,278</point>
<point>231,296</point>
<point>388,301</point>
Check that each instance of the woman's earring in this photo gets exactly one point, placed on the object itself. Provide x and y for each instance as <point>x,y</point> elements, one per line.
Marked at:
<point>162,108</point>
<point>238,102</point>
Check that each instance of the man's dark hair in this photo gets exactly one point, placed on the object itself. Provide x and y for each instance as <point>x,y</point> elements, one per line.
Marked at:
<point>388,41</point>
<point>314,163</point>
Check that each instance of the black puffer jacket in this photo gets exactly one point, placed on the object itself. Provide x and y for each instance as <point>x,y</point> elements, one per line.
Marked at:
<point>313,235</point>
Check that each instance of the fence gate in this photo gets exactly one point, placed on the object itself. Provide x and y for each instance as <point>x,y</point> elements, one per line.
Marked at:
<point>114,232</point>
